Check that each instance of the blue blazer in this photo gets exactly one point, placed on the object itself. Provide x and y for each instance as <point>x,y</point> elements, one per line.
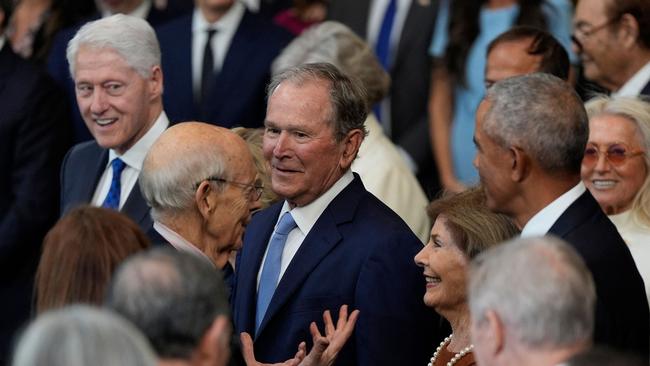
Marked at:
<point>359,253</point>
<point>82,167</point>
<point>238,93</point>
<point>622,315</point>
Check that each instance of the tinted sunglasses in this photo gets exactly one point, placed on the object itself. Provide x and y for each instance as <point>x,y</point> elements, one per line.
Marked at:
<point>616,154</point>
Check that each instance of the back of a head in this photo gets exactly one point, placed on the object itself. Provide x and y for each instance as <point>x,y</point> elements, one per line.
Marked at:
<point>172,297</point>
<point>553,58</point>
<point>335,43</point>
<point>541,290</point>
<point>542,115</point>
<point>82,336</point>
<point>80,254</point>
<point>131,37</point>
<point>347,94</point>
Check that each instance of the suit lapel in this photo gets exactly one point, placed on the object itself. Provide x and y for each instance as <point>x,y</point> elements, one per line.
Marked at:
<point>95,169</point>
<point>418,14</point>
<point>257,237</point>
<point>136,207</point>
<point>646,89</point>
<point>322,238</point>
<point>577,213</point>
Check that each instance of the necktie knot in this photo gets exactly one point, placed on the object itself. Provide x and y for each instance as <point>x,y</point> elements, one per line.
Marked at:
<point>210,32</point>
<point>286,224</point>
<point>118,166</point>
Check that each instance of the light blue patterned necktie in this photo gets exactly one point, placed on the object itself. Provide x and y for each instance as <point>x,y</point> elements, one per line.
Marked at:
<point>271,269</point>
<point>112,199</point>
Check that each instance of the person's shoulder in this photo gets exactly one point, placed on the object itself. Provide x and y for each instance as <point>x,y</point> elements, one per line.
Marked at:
<point>268,30</point>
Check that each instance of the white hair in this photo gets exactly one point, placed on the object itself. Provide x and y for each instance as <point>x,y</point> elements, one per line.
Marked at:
<point>539,287</point>
<point>82,336</point>
<point>131,37</point>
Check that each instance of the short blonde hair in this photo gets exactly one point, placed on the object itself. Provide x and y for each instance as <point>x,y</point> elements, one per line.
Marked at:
<point>474,228</point>
<point>253,138</point>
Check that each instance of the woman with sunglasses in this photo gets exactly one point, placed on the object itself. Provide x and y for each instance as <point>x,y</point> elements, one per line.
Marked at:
<point>616,167</point>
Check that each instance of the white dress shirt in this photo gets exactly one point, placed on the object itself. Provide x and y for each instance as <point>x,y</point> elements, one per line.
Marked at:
<point>542,222</point>
<point>142,11</point>
<point>305,218</point>
<point>633,87</point>
<point>133,158</point>
<point>226,27</point>
<point>178,242</point>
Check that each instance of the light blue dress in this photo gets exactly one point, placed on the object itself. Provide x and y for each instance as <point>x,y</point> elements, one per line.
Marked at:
<point>492,22</point>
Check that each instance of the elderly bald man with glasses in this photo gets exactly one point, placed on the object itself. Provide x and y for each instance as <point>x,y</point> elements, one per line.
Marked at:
<point>201,185</point>
<point>612,38</point>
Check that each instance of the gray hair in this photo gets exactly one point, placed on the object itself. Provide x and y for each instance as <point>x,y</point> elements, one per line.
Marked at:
<point>539,287</point>
<point>80,335</point>
<point>172,297</point>
<point>541,114</point>
<point>636,111</point>
<point>131,37</point>
<point>337,44</point>
<point>169,187</point>
<point>347,95</point>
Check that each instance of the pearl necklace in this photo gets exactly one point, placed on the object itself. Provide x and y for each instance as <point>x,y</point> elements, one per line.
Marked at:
<point>456,357</point>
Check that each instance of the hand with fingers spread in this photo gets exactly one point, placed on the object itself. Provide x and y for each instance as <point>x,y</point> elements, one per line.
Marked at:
<point>326,348</point>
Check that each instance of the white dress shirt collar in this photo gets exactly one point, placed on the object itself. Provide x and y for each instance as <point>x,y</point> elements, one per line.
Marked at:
<point>306,216</point>
<point>634,86</point>
<point>542,222</point>
<point>142,11</point>
<point>134,157</point>
<point>178,242</point>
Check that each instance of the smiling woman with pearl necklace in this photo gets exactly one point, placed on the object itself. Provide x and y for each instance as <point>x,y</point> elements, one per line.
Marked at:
<point>463,227</point>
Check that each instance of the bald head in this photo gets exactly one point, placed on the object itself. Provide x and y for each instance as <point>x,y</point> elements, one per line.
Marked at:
<point>182,157</point>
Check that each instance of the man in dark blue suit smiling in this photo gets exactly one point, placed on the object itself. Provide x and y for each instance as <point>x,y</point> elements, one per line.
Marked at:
<point>330,242</point>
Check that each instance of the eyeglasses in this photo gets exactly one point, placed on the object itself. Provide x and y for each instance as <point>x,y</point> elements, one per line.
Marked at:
<point>253,191</point>
<point>581,33</point>
<point>616,154</point>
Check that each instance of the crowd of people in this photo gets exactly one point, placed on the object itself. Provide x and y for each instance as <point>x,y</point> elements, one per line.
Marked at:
<point>327,182</point>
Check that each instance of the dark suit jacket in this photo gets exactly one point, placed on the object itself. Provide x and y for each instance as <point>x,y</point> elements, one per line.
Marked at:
<point>82,167</point>
<point>410,77</point>
<point>359,253</point>
<point>34,136</point>
<point>646,89</point>
<point>237,96</point>
<point>622,316</point>
<point>58,68</point>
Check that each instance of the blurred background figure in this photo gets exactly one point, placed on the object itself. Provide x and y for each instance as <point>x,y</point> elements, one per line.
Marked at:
<point>612,38</point>
<point>602,356</point>
<point>80,254</point>
<point>217,63</point>
<point>302,15</point>
<point>82,336</point>
<point>399,32</point>
<point>463,228</point>
<point>616,170</point>
<point>253,138</point>
<point>34,136</point>
<point>463,31</point>
<point>34,24</point>
<point>532,302</point>
<point>382,168</point>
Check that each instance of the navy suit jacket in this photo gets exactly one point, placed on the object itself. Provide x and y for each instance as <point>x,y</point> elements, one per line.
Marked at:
<point>82,167</point>
<point>622,315</point>
<point>646,89</point>
<point>238,93</point>
<point>359,253</point>
<point>34,136</point>
<point>58,68</point>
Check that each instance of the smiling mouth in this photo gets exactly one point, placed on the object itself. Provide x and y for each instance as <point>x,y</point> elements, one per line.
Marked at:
<point>432,280</point>
<point>603,184</point>
<point>105,121</point>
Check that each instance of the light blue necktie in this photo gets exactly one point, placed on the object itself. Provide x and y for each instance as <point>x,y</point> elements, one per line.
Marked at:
<point>271,269</point>
<point>112,199</point>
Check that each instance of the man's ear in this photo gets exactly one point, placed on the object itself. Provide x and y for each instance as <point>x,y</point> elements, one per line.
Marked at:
<point>495,328</point>
<point>156,82</point>
<point>628,30</point>
<point>203,199</point>
<point>351,143</point>
<point>214,347</point>
<point>520,164</point>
